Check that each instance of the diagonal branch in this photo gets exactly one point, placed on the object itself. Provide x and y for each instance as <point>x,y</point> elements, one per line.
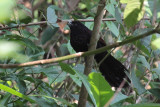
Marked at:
<point>81,54</point>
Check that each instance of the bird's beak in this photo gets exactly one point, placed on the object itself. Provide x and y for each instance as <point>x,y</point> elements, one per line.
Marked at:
<point>69,23</point>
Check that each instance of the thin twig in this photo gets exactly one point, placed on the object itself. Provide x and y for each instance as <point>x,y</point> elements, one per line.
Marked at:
<point>105,57</point>
<point>34,88</point>
<point>24,25</point>
<point>116,93</point>
<point>44,22</point>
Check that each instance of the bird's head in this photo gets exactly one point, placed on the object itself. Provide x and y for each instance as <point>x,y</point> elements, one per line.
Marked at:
<point>76,25</point>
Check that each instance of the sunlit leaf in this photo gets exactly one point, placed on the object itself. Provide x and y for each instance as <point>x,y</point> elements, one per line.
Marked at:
<point>11,49</point>
<point>101,90</point>
<point>87,86</point>
<point>10,90</point>
<point>134,12</point>
<point>124,1</point>
<point>156,44</point>
<point>6,9</point>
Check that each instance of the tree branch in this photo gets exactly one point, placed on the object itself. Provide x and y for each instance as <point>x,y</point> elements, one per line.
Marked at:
<point>44,22</point>
<point>82,54</point>
<point>92,46</point>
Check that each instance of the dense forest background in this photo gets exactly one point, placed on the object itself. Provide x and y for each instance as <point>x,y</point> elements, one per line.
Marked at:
<point>38,66</point>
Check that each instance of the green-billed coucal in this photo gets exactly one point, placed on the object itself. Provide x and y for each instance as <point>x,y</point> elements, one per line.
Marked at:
<point>111,68</point>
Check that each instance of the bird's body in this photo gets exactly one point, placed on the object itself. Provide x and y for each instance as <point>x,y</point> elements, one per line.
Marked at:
<point>111,68</point>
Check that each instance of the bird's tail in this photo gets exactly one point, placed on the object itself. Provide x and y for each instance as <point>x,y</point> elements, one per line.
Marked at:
<point>111,69</point>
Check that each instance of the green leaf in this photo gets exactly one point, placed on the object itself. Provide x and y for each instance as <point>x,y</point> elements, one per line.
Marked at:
<point>101,90</point>
<point>89,25</point>
<point>6,10</point>
<point>156,43</point>
<point>11,50</point>
<point>119,97</point>
<point>155,92</point>
<point>29,44</point>
<point>53,74</point>
<point>24,41</point>
<point>25,19</point>
<point>118,15</point>
<point>5,99</point>
<point>151,6</point>
<point>142,47</point>
<point>143,44</point>
<point>24,8</point>
<point>64,50</point>
<point>124,1</point>
<point>136,83</point>
<point>154,37</point>
<point>79,67</point>
<point>143,105</point>
<point>56,8</point>
<point>7,48</point>
<point>16,93</point>
<point>111,9</point>
<point>156,73</point>
<point>67,68</point>
<point>21,85</point>
<point>48,34</point>
<point>113,2</point>
<point>144,62</point>
<point>27,34</point>
<point>51,16</point>
<point>76,80</point>
<point>113,28</point>
<point>58,100</point>
<point>134,12</point>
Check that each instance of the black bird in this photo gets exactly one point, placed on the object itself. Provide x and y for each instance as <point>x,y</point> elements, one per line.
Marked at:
<point>111,68</point>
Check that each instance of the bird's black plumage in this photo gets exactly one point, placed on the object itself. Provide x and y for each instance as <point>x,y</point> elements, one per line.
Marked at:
<point>111,68</point>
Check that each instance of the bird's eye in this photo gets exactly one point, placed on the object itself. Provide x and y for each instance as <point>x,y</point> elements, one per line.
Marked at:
<point>69,22</point>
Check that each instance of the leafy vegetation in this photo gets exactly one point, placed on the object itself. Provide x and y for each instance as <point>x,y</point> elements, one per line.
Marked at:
<point>26,37</point>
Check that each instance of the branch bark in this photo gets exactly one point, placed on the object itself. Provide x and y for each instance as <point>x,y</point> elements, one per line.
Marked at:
<point>92,46</point>
<point>81,54</point>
